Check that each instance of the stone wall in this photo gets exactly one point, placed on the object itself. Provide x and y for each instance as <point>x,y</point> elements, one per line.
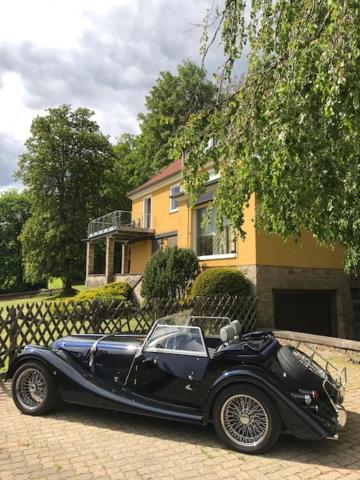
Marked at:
<point>269,279</point>
<point>95,280</point>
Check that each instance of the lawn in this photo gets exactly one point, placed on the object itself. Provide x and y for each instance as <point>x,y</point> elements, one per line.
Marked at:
<point>39,298</point>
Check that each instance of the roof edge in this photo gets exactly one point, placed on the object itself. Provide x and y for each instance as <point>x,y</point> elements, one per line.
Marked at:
<point>158,178</point>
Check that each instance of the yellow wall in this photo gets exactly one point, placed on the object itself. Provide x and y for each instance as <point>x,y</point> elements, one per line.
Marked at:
<point>271,250</point>
<point>257,248</point>
<point>182,221</point>
<point>140,254</point>
<point>162,220</point>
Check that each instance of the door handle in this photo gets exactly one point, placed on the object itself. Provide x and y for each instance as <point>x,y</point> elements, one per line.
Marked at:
<point>149,359</point>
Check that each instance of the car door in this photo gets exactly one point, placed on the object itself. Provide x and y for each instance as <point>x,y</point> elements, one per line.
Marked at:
<point>172,365</point>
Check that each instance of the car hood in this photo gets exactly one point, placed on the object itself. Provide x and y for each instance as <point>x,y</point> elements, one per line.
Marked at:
<point>82,343</point>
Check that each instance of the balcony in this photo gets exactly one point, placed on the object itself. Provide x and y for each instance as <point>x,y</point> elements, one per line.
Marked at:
<point>120,225</point>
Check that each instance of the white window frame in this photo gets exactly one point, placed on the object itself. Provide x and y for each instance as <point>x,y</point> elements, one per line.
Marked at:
<point>216,256</point>
<point>173,210</point>
<point>213,175</point>
<point>147,197</point>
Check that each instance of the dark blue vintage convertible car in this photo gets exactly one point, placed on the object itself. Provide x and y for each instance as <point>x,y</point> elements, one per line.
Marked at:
<point>248,386</point>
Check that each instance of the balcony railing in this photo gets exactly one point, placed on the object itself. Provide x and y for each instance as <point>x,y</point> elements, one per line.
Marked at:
<point>117,221</point>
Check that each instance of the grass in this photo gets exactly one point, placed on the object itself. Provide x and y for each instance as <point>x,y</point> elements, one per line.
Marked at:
<point>40,298</point>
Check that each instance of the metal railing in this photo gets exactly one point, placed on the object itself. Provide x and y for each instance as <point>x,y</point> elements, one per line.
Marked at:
<point>113,221</point>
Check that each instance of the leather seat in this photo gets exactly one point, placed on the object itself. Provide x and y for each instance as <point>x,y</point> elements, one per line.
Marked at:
<point>255,347</point>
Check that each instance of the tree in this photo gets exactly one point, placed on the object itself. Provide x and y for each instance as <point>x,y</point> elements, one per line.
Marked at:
<point>169,273</point>
<point>169,103</point>
<point>14,211</point>
<point>129,170</point>
<point>64,169</point>
<point>290,133</point>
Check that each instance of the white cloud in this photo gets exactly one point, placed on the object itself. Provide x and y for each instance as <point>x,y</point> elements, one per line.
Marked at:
<point>104,55</point>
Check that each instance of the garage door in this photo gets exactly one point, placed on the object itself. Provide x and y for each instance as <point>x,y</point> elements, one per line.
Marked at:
<point>311,311</point>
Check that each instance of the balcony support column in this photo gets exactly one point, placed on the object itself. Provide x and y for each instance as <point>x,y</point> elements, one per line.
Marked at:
<point>123,254</point>
<point>109,259</point>
<point>89,259</point>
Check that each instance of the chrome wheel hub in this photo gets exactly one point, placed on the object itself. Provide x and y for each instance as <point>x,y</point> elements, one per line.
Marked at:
<point>31,389</point>
<point>244,420</point>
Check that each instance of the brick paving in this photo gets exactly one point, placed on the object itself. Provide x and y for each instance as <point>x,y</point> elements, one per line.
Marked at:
<point>87,443</point>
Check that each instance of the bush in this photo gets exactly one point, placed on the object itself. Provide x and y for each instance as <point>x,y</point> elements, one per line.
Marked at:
<point>169,273</point>
<point>112,291</point>
<point>220,281</point>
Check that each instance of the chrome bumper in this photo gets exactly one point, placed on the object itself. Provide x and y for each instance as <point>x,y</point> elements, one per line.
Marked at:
<point>341,421</point>
<point>341,416</point>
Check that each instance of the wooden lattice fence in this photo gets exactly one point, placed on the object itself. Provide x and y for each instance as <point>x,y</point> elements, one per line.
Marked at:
<point>42,323</point>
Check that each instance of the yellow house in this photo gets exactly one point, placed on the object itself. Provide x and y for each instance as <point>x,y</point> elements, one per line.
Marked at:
<point>299,286</point>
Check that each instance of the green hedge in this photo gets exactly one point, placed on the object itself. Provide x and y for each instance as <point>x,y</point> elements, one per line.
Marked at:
<point>220,281</point>
<point>112,291</point>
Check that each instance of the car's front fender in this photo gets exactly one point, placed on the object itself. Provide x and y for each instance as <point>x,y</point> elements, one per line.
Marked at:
<point>44,355</point>
<point>296,421</point>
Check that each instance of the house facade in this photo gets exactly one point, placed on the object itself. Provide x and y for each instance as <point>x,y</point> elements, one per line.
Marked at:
<point>299,285</point>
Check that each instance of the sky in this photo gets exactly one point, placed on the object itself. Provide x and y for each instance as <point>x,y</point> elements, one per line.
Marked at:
<point>100,54</point>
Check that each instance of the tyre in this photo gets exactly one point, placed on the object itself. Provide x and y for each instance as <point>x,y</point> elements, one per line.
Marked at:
<point>298,370</point>
<point>246,419</point>
<point>34,389</point>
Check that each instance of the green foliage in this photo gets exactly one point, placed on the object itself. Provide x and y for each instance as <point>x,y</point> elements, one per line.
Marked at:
<point>220,281</point>
<point>169,273</point>
<point>64,170</point>
<point>169,103</point>
<point>290,133</point>
<point>129,170</point>
<point>14,211</point>
<point>106,294</point>
<point>54,283</point>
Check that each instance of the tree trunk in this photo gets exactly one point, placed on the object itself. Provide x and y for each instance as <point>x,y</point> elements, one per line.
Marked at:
<point>67,286</point>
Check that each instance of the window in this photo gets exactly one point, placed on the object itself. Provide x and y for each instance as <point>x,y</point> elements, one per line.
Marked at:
<point>213,175</point>
<point>147,212</point>
<point>174,190</point>
<point>159,243</point>
<point>209,241</point>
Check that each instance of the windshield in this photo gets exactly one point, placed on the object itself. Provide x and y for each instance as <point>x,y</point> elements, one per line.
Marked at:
<point>176,338</point>
<point>209,325</point>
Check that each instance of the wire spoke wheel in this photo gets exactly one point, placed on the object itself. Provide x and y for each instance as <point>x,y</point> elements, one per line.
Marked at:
<point>244,420</point>
<point>31,389</point>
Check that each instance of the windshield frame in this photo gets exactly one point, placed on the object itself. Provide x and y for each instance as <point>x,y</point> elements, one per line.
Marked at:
<point>148,348</point>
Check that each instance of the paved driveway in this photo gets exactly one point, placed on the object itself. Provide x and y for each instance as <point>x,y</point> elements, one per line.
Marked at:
<point>86,443</point>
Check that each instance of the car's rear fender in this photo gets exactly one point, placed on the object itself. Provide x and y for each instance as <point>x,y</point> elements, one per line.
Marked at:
<point>295,420</point>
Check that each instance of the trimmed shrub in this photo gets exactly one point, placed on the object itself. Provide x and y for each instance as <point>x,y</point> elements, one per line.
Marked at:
<point>169,273</point>
<point>112,291</point>
<point>220,281</point>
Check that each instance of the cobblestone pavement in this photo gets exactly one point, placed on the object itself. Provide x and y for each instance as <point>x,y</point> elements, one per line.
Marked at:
<point>87,443</point>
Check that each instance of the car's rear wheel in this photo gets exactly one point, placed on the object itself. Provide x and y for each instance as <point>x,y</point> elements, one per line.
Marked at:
<point>33,389</point>
<point>246,419</point>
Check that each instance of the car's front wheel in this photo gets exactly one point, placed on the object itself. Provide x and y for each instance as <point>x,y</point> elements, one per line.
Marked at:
<point>246,419</point>
<point>33,389</point>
